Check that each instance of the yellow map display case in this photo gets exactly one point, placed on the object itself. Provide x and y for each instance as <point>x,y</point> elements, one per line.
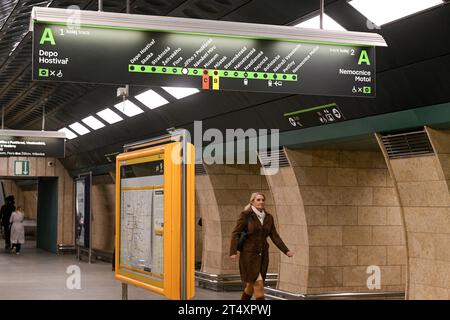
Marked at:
<point>149,233</point>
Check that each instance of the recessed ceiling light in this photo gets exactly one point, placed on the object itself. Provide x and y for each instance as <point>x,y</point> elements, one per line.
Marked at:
<point>314,23</point>
<point>384,11</point>
<point>109,116</point>
<point>93,122</point>
<point>151,99</point>
<point>69,134</point>
<point>180,93</point>
<point>128,108</point>
<point>79,128</point>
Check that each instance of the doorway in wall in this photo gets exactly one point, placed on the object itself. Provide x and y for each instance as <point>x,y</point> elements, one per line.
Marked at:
<point>38,197</point>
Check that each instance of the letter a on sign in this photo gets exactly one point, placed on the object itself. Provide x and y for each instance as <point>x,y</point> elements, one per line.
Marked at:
<point>364,58</point>
<point>47,35</point>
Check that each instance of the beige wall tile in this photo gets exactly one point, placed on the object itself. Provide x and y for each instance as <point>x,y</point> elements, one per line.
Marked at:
<point>372,177</point>
<point>385,197</point>
<point>442,246</point>
<point>321,195</point>
<point>372,255</point>
<point>342,177</point>
<point>421,245</point>
<point>311,176</point>
<point>223,181</point>
<point>391,275</point>
<point>396,255</point>
<point>427,219</point>
<point>355,276</point>
<point>357,235</point>
<point>249,182</point>
<point>325,158</point>
<point>394,216</point>
<point>318,256</point>
<point>342,215</point>
<point>372,216</point>
<point>316,215</point>
<point>387,235</point>
<point>342,256</point>
<point>357,196</point>
<point>361,159</point>
<point>439,139</point>
<point>428,193</point>
<point>415,169</point>
<point>324,276</point>
<point>321,236</point>
<point>299,157</point>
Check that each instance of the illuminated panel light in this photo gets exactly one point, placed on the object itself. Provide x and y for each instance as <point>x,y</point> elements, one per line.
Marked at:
<point>109,116</point>
<point>384,11</point>
<point>180,93</point>
<point>314,23</point>
<point>151,99</point>
<point>69,134</point>
<point>93,123</point>
<point>128,108</point>
<point>79,128</point>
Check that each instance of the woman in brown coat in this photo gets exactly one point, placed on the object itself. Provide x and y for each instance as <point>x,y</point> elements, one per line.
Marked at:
<point>254,258</point>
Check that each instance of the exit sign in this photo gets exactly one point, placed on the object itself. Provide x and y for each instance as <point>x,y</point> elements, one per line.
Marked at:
<point>21,168</point>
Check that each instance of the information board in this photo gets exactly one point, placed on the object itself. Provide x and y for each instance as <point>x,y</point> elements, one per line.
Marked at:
<point>23,146</point>
<point>142,218</point>
<point>98,54</point>
<point>149,220</point>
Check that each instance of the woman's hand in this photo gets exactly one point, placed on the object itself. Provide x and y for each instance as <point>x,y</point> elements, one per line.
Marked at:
<point>290,254</point>
<point>233,258</point>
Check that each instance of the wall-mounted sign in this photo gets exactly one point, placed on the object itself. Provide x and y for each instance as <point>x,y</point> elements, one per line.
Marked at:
<point>18,143</point>
<point>204,60</point>
<point>317,115</point>
<point>83,211</point>
<point>21,168</point>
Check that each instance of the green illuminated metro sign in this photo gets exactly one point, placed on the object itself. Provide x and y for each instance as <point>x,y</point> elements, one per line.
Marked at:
<point>109,48</point>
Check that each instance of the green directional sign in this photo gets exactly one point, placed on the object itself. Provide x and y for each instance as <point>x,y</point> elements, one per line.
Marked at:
<point>21,168</point>
<point>100,54</point>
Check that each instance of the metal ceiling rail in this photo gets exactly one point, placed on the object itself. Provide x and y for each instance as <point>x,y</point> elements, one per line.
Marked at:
<point>216,27</point>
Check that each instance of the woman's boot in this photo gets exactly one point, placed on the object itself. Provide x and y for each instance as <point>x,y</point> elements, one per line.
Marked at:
<point>245,296</point>
<point>248,292</point>
<point>259,290</point>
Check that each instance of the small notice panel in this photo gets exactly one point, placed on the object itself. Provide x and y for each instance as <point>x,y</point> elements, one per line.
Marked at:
<point>98,54</point>
<point>148,220</point>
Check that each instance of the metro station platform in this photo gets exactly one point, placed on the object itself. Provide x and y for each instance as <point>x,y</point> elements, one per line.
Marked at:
<point>39,275</point>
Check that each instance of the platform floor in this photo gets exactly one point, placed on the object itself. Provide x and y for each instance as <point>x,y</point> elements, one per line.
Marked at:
<point>37,274</point>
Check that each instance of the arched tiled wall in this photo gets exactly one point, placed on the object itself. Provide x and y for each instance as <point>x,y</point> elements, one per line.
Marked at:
<point>340,212</point>
<point>422,183</point>
<point>221,195</point>
<point>293,272</point>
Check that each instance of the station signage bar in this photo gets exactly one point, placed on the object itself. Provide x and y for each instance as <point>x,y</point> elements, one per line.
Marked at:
<point>24,143</point>
<point>116,48</point>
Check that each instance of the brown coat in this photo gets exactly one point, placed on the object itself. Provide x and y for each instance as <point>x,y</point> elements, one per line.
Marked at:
<point>254,257</point>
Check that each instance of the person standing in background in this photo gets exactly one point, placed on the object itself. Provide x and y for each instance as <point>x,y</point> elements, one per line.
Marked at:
<point>5,215</point>
<point>17,230</point>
